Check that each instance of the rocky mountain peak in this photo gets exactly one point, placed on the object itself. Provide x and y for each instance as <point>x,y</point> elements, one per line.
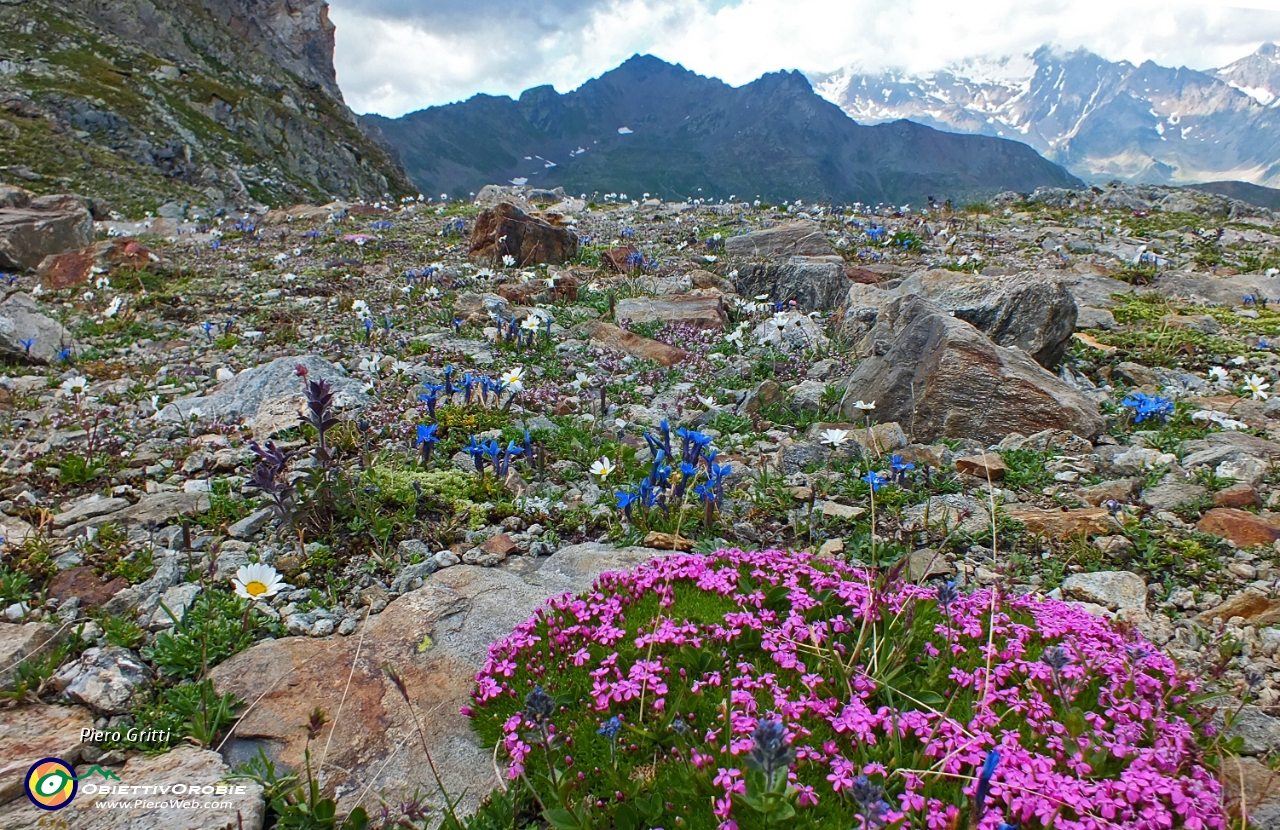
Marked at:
<point>1101,119</point>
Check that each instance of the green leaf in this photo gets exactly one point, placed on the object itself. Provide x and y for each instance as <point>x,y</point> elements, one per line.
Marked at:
<point>626,817</point>
<point>324,809</point>
<point>358,820</point>
<point>782,811</point>
<point>930,699</point>
<point>1074,722</point>
<point>561,819</point>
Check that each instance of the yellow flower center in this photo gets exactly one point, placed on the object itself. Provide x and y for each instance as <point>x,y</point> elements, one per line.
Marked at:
<point>254,588</point>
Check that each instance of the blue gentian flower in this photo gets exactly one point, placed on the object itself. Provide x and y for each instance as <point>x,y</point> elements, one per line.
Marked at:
<point>875,480</point>
<point>1146,406</point>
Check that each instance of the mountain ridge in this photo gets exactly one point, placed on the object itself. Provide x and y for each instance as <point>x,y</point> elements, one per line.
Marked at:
<point>651,126</point>
<point>1142,123</point>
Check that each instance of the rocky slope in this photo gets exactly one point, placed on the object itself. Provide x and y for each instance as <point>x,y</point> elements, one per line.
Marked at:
<point>1063,393</point>
<point>651,127</point>
<point>207,104</point>
<point>1099,119</point>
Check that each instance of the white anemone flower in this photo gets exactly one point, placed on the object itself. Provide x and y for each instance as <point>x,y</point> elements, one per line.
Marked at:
<point>835,437</point>
<point>361,309</point>
<point>602,467</point>
<point>508,260</point>
<point>1219,375</point>
<point>111,310</point>
<point>530,323</point>
<point>864,406</point>
<point>371,365</point>
<point>1257,386</point>
<point>257,581</point>
<point>581,382</point>
<point>514,378</point>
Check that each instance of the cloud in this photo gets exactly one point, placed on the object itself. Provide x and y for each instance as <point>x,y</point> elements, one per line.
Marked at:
<point>395,56</point>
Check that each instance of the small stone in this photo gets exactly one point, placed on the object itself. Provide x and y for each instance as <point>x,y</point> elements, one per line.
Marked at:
<point>830,548</point>
<point>1063,524</point>
<point>348,626</point>
<point>1110,589</point>
<point>250,525</point>
<point>990,465</point>
<point>667,541</point>
<point>501,545</point>
<point>111,681</point>
<point>447,559</point>
<point>835,510</point>
<point>322,627</point>
<point>1238,496</point>
<point>927,564</point>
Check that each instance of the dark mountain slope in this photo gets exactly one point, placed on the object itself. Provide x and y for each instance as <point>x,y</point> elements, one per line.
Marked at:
<point>649,126</point>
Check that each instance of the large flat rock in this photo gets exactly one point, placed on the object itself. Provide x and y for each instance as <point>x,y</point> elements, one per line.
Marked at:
<point>31,732</point>
<point>436,638</point>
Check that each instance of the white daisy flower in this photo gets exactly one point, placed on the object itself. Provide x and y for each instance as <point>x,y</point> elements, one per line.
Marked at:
<point>257,581</point>
<point>1219,375</point>
<point>864,406</point>
<point>75,386</point>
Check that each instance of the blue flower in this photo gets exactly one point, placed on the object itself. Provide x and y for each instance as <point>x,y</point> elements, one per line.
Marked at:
<point>875,480</point>
<point>64,356</point>
<point>900,465</point>
<point>427,434</point>
<point>1146,406</point>
<point>984,781</point>
<point>27,344</point>
<point>626,499</point>
<point>610,728</point>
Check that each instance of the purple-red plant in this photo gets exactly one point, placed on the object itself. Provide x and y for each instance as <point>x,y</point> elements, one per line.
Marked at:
<point>744,690</point>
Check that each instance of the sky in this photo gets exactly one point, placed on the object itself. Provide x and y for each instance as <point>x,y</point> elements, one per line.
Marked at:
<point>397,56</point>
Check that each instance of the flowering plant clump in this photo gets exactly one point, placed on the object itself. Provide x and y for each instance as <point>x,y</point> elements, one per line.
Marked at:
<point>750,690</point>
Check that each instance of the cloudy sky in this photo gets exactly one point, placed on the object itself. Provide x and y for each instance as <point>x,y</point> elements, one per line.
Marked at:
<point>395,56</point>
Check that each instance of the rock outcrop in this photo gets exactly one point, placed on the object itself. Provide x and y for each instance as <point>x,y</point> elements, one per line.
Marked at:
<point>436,639</point>
<point>198,103</point>
<point>1031,312</point>
<point>940,377</point>
<point>815,283</point>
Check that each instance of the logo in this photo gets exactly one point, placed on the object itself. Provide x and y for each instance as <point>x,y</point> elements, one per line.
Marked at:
<point>51,783</point>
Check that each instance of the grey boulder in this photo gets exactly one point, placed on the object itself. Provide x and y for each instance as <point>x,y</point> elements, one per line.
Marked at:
<point>274,388</point>
<point>33,228</point>
<point>21,318</point>
<point>940,377</point>
<point>816,283</point>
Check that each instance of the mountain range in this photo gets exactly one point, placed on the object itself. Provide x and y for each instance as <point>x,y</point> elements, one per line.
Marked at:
<point>653,127</point>
<point>1100,119</point>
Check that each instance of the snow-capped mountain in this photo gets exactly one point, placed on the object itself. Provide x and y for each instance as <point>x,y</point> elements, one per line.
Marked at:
<point>1100,119</point>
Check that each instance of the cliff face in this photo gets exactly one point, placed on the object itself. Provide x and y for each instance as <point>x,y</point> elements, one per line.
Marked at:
<point>210,102</point>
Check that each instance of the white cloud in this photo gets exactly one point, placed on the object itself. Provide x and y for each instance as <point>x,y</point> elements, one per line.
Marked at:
<point>395,56</point>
